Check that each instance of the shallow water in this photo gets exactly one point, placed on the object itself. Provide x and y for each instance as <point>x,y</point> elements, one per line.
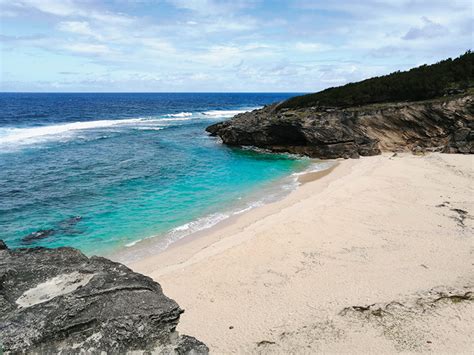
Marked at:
<point>128,166</point>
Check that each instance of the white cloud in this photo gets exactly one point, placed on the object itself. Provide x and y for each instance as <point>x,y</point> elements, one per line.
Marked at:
<point>429,29</point>
<point>70,8</point>
<point>199,76</point>
<point>213,7</point>
<point>77,27</point>
<point>112,18</point>
<point>311,47</point>
<point>228,45</point>
<point>156,44</point>
<point>220,55</point>
<point>228,55</point>
<point>88,48</point>
<point>53,7</point>
<point>229,24</point>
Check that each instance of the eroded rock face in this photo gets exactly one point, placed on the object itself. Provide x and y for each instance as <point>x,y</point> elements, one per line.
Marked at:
<point>59,300</point>
<point>444,125</point>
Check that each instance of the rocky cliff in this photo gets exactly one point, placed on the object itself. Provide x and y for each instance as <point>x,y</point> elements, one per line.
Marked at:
<point>445,124</point>
<point>60,301</point>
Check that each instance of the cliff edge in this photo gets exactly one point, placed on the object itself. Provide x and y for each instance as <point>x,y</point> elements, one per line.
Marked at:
<point>444,124</point>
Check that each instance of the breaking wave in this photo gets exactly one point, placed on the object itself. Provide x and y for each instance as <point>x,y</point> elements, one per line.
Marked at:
<point>32,134</point>
<point>179,115</point>
<point>225,113</point>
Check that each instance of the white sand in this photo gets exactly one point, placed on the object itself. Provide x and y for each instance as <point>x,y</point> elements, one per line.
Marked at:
<point>279,279</point>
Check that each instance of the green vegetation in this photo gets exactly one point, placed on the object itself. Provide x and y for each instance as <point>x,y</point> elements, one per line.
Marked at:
<point>425,82</point>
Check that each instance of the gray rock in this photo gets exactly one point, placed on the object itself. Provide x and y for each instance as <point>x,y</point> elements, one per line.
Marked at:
<point>59,300</point>
<point>461,134</point>
<point>442,124</point>
<point>464,147</point>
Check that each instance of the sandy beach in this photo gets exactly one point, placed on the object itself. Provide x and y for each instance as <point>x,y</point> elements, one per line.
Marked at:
<point>374,256</point>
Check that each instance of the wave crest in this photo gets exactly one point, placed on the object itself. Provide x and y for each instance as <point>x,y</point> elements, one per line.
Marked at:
<point>225,113</point>
<point>30,135</point>
<point>179,115</point>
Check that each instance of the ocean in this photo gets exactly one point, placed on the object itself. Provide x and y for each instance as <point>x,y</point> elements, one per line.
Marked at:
<point>102,171</point>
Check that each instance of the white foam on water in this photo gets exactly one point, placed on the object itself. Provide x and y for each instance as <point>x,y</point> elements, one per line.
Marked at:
<point>314,168</point>
<point>149,128</point>
<point>174,119</point>
<point>199,224</point>
<point>186,229</point>
<point>34,134</point>
<point>62,132</point>
<point>226,113</point>
<point>250,206</point>
<point>268,194</point>
<point>131,244</point>
<point>181,114</point>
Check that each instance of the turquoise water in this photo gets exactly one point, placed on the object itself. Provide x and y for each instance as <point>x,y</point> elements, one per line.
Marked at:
<point>99,172</point>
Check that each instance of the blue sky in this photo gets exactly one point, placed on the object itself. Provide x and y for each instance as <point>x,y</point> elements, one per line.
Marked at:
<point>211,45</point>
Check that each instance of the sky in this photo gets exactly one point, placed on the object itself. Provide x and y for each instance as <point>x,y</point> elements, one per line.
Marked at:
<point>221,46</point>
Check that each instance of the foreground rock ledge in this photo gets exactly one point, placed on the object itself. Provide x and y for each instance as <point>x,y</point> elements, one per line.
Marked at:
<point>445,125</point>
<point>59,300</point>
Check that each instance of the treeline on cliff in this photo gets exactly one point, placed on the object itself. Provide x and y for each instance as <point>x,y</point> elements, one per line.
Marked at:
<point>447,77</point>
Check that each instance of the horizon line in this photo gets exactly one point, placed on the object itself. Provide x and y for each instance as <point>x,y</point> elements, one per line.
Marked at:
<point>155,92</point>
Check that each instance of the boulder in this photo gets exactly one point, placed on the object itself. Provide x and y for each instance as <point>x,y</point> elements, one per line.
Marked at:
<point>59,300</point>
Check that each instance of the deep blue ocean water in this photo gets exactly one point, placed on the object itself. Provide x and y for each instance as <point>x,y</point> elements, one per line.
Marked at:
<point>102,171</point>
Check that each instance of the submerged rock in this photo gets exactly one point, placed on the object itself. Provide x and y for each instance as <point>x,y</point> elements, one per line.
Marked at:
<point>66,226</point>
<point>70,222</point>
<point>40,234</point>
<point>69,226</point>
<point>59,300</point>
<point>445,125</point>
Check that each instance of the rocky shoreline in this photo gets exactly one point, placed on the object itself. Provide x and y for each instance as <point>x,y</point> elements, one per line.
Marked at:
<point>60,301</point>
<point>444,125</point>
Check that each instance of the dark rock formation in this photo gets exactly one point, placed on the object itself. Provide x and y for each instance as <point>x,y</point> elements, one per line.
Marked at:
<point>445,125</point>
<point>41,234</point>
<point>66,226</point>
<point>70,222</point>
<point>59,300</point>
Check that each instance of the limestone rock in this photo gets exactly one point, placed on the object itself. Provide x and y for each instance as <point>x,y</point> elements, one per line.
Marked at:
<point>59,300</point>
<point>445,124</point>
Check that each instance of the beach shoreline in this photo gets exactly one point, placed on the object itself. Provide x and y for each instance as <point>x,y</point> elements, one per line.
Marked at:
<point>183,248</point>
<point>301,274</point>
<point>278,190</point>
